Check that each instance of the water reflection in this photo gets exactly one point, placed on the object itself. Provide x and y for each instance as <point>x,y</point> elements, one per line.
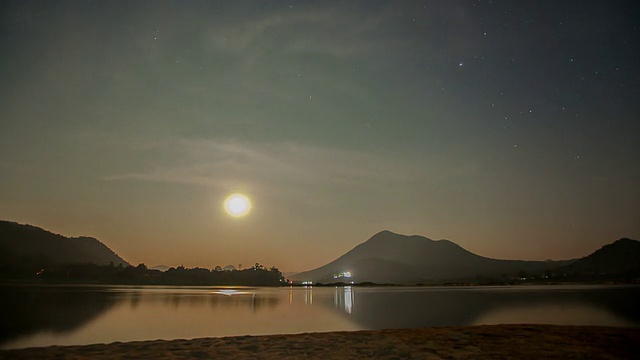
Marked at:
<point>379,308</point>
<point>230,292</point>
<point>143,313</point>
<point>344,298</point>
<point>419,307</point>
<point>308,295</point>
<point>26,310</point>
<point>65,315</point>
<point>217,298</point>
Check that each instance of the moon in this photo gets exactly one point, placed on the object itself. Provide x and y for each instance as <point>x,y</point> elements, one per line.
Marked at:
<point>237,205</point>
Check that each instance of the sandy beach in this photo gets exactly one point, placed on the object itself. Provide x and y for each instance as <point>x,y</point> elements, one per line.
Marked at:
<point>487,342</point>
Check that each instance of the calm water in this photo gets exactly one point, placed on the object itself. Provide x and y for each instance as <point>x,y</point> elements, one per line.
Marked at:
<point>65,315</point>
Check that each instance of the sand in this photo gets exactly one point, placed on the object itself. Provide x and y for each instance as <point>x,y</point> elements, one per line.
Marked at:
<point>483,342</point>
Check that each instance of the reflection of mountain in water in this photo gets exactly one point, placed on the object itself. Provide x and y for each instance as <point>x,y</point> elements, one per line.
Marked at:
<point>622,302</point>
<point>27,310</point>
<point>148,312</point>
<point>376,308</point>
<point>396,308</point>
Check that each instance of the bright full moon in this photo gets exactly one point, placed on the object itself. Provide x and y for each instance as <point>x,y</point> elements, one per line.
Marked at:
<point>237,205</point>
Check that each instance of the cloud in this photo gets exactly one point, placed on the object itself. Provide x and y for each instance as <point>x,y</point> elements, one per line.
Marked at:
<point>227,163</point>
<point>326,31</point>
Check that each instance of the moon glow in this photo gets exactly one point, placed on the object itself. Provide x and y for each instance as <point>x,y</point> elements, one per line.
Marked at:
<point>237,205</point>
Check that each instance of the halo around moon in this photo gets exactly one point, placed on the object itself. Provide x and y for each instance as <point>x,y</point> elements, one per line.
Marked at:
<point>237,205</point>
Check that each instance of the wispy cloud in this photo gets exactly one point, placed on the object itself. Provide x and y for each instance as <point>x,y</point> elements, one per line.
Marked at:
<point>309,30</point>
<point>226,163</point>
<point>272,49</point>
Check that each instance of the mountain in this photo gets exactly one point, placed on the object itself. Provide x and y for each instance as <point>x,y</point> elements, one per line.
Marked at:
<point>393,258</point>
<point>618,258</point>
<point>28,246</point>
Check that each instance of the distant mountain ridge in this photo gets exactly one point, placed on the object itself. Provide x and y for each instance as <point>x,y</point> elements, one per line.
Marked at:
<point>393,258</point>
<point>386,257</point>
<point>620,257</point>
<point>30,246</point>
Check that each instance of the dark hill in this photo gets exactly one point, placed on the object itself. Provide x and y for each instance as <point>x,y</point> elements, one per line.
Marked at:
<point>28,246</point>
<point>618,258</point>
<point>392,258</point>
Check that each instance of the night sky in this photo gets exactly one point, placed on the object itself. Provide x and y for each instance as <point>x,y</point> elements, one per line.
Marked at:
<point>509,127</point>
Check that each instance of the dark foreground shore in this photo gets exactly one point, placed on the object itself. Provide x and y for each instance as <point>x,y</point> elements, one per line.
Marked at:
<point>485,342</point>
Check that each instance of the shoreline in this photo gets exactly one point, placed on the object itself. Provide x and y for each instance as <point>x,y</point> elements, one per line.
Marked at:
<point>487,341</point>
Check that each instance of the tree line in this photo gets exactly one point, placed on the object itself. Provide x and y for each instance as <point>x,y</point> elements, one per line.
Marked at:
<point>257,275</point>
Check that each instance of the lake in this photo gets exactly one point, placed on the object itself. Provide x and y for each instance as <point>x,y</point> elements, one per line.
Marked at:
<point>74,315</point>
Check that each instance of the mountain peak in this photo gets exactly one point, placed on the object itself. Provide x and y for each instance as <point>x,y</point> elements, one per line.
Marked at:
<point>384,233</point>
<point>388,257</point>
<point>625,241</point>
<point>386,236</point>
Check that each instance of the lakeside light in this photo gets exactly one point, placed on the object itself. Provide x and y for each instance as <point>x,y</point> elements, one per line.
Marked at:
<point>346,274</point>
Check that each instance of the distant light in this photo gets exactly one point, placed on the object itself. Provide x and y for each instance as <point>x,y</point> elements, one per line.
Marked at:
<point>345,274</point>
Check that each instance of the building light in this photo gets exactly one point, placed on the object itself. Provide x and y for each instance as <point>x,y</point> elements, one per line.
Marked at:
<point>346,274</point>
